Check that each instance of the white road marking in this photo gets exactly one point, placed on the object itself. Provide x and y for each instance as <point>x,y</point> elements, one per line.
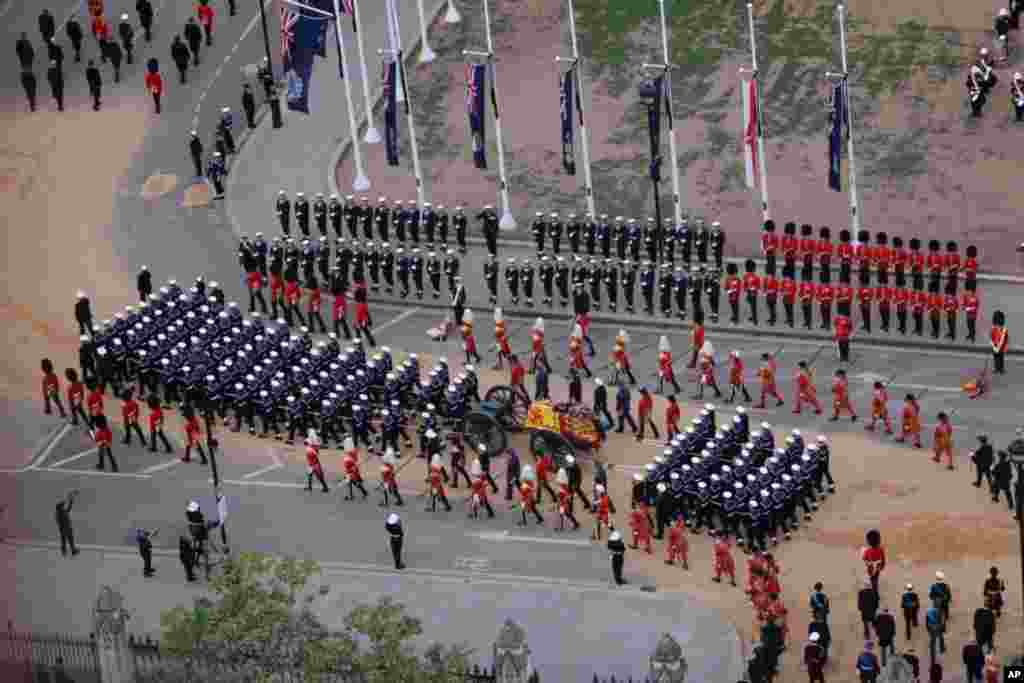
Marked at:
<point>253,482</point>
<point>61,433</point>
<point>162,466</point>
<point>263,470</point>
<point>397,319</point>
<point>65,461</point>
<point>504,536</point>
<point>130,475</point>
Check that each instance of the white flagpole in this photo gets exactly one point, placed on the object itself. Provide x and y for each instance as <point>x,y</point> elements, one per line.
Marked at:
<point>452,16</point>
<point>361,182</point>
<point>394,46</point>
<point>372,134</point>
<point>762,163</point>
<point>393,19</point>
<point>587,179</point>
<point>854,203</point>
<point>426,54</point>
<point>508,222</point>
<point>676,196</point>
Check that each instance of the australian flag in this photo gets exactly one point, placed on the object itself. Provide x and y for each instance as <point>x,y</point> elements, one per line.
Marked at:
<point>567,92</point>
<point>835,139</point>
<point>300,36</point>
<point>391,111</point>
<point>476,82</point>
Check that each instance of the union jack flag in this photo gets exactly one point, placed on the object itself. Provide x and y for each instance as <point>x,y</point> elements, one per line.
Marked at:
<point>471,90</point>
<point>289,19</point>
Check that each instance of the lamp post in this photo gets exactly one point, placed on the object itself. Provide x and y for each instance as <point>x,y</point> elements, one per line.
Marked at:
<point>1016,452</point>
<point>272,97</point>
<point>651,95</point>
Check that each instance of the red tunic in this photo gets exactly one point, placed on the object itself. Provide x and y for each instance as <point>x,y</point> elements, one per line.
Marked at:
<point>825,250</point>
<point>1000,339</point>
<point>665,364</point>
<point>387,474</point>
<point>95,403</point>
<point>645,405</point>
<point>874,560</point>
<point>865,295</point>
<point>537,342</point>
<point>672,414</point>
<point>697,337</point>
<point>517,375</point>
<point>902,298</point>
<point>736,371</point>
<point>767,374</point>
<point>751,283</point>
<point>911,418</point>
<point>313,460</point>
<point>603,506</point>
<point>312,294</point>
<point>843,326</point>
<point>724,563</point>
<point>790,244</point>
<point>564,498</point>
<point>805,385</point>
<point>807,292</point>
<point>205,14</point>
<point>154,83</point>
<point>479,487</point>
<point>880,403</point>
<point>824,293</point>
<point>576,359</point>
<point>844,294</point>
<point>103,437</point>
<point>526,497</point>
<point>130,412</point>
<point>808,246</point>
<point>338,307</point>
<point>840,393</point>
<point>156,418</point>
<point>845,252</point>
<point>351,468</point>
<point>733,287</point>
<point>544,465</point>
<point>771,286</point>
<point>970,304</point>
<point>769,242</point>
<point>951,304</point>
<point>884,295</point>
<point>192,431</point>
<point>788,290</point>
<point>51,385</point>
<point>362,314</point>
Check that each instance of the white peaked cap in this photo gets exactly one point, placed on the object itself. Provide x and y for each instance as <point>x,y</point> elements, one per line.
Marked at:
<point>393,518</point>
<point>615,536</point>
<point>707,349</point>
<point>662,488</point>
<point>539,324</point>
<point>498,315</point>
<point>740,410</point>
<point>389,456</point>
<point>638,477</point>
<point>821,438</point>
<point>312,436</point>
<point>815,637</point>
<point>431,434</point>
<point>193,506</point>
<point>940,576</point>
<point>562,477</point>
<point>577,331</point>
<point>476,469</point>
<point>467,316</point>
<point>80,294</point>
<point>350,443</point>
<point>599,488</point>
<point>624,335</point>
<point>735,354</point>
<point>664,344</point>
<point>528,474</point>
<point>435,461</point>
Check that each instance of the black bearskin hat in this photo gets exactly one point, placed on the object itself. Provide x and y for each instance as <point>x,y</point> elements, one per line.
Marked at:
<point>863,236</point>
<point>972,251</point>
<point>998,318</point>
<point>751,266</point>
<point>882,239</point>
<point>790,228</point>
<point>952,247</point>
<point>934,245</point>
<point>806,230</point>
<point>897,242</point>
<point>825,233</point>
<point>874,538</point>
<point>732,269</point>
<point>769,225</point>
<point>915,244</point>
<point>844,236</point>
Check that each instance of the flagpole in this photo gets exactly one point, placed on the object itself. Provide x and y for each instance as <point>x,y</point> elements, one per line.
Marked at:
<point>394,47</point>
<point>452,16</point>
<point>508,222</point>
<point>854,203</point>
<point>361,182</point>
<point>762,163</point>
<point>426,54</point>
<point>587,178</point>
<point>372,134</point>
<point>393,19</point>
<point>673,150</point>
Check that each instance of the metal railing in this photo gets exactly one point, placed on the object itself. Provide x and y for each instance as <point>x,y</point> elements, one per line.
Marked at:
<point>47,657</point>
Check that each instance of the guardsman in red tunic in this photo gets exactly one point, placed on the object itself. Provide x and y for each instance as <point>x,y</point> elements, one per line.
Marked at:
<point>752,288</point>
<point>363,312</point>
<point>501,339</point>
<point>353,476</point>
<point>51,389</point>
<point>943,440</point>
<point>517,375</point>
<point>156,425</point>
<point>468,339</point>
<point>527,500</point>
<point>104,440</point>
<point>917,262</point>
<point>873,557</point>
<point>845,254</point>
<point>951,304</point>
<point>936,264</point>
<point>672,415</point>
<point>640,525</point>
<point>865,297</point>
<point>902,298</point>
<point>602,507</point>
<point>808,250</point>
<point>884,295</point>
<point>805,389</point>
<point>205,14</point>
<point>862,255</point>
<point>788,288</point>
<point>881,258</point>
<point>707,373</point>
<point>76,398</point>
<point>789,245</point>
<point>620,358</point>
<point>193,432</point>
<point>313,466</point>
<point>844,299</point>
<point>842,336</point>
<point>130,416</point>
<point>724,563</point>
<point>94,403</point>
<point>678,547</point>
<point>935,302</point>
<point>769,245</point>
<point>900,261</point>
<point>292,295</point>
<point>733,286</point>
<point>919,304</point>
<point>479,492</point>
<point>911,421</point>
<point>577,361</point>
<point>583,320</point>
<point>971,304</point>
<point>841,397</point>
<point>767,373</point>
<point>537,352</point>
<point>545,464</point>
<point>970,265</point>
<point>807,293</point>
<point>999,340</point>
<point>313,302</point>
<point>824,293</point>
<point>951,263</point>
<point>736,377</point>
<point>824,249</point>
<point>388,478</point>
<point>771,297</point>
<point>565,502</point>
<point>879,408</point>
<point>665,371</point>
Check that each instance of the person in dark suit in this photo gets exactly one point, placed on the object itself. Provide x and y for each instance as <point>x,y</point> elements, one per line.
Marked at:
<point>28,82</point>
<point>67,534</point>
<point>92,76</point>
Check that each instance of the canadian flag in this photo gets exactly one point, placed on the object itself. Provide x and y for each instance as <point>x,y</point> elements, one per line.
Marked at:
<point>750,129</point>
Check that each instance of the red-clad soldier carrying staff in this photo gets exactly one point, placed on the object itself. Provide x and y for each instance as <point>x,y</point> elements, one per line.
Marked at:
<point>104,439</point>
<point>696,339</point>
<point>501,342</point>
<point>363,322</point>
<point>723,560</point>
<point>545,465</point>
<point>752,289</point>
<point>583,320</point>
<point>824,294</point>
<point>999,340</point>
<point>640,525</point>
<point>805,389</point>
<point>538,354</point>
<point>353,476</point>
<point>76,398</point>
<point>737,380</point>
<point>789,289</point>
<point>943,440</point>
<point>339,313</point>
<point>677,547</point>
<point>865,297</point>
<point>789,246</point>
<point>971,304</point>
<point>130,416</point>
<point>313,466</point>
<point>911,421</point>
<point>565,502</point>
<point>665,371</point>
<point>772,285</point>
<point>577,360</point>
<point>156,425</point>
<point>766,373</point>
<point>879,408</point>
<point>873,557</point>
<point>842,334</point>
<point>884,295</point>
<point>841,397</point>
<point>918,306</point>
<point>620,358</point>
<point>193,434</point>
<point>517,377</point>
<point>935,302</point>
<point>733,287</point>
<point>468,338</point>
<point>951,305</point>
<point>672,415</point>
<point>389,479</point>
<point>527,498</point>
<point>769,246</point>
<point>807,293</point>
<point>603,506</point>
<point>707,372</point>
<point>902,297</point>
<point>313,303</point>
<point>478,497</point>
<point>844,299</point>
<point>51,389</point>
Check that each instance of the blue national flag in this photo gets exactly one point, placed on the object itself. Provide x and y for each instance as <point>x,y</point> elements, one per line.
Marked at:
<point>324,23</point>
<point>299,37</point>
<point>835,138</point>
<point>476,82</point>
<point>391,111</point>
<point>567,98</point>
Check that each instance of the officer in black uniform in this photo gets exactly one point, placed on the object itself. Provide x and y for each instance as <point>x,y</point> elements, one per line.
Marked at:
<point>428,219</point>
<point>702,241</point>
<point>434,272</point>
<point>717,240</point>
<point>451,270</point>
<point>404,267</point>
<point>580,272</point>
<point>459,221</point>
<point>604,236</point>
<point>665,289</point>
<point>628,284</point>
<point>573,232</point>
<point>320,213</point>
<point>512,280</point>
<point>636,237</point>
<point>555,230</point>
<point>651,240</point>
<point>562,280</point>
<point>596,278</point>
<point>590,235</point>
<point>647,287</point>
<point>489,224</point>
<point>366,216</point>
<point>396,537</point>
<point>334,215</point>
<point>526,279</point>
<point>713,288</point>
<point>350,216</point>
<point>546,270</point>
<point>621,232</point>
<point>302,213</point>
<point>611,284</point>
<point>417,271</point>
<point>491,278</point>
<point>684,236</point>
<point>373,262</point>
<point>680,287</point>
<point>387,266</point>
